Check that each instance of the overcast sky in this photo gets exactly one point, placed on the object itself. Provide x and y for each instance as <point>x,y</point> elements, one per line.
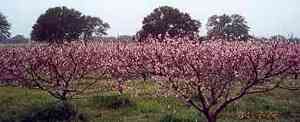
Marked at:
<point>265,17</point>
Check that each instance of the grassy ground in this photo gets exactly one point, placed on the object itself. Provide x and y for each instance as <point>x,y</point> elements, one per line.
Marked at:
<point>138,105</point>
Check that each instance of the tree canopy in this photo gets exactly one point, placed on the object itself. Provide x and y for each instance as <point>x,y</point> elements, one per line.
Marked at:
<point>169,21</point>
<point>4,28</point>
<point>61,23</point>
<point>228,27</point>
<point>94,27</point>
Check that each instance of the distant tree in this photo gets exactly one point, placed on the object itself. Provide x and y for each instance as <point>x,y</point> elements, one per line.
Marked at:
<point>170,21</point>
<point>18,39</point>
<point>62,23</point>
<point>228,27</point>
<point>294,39</point>
<point>58,23</point>
<point>94,27</point>
<point>290,38</point>
<point>278,38</point>
<point>4,28</point>
<point>126,37</point>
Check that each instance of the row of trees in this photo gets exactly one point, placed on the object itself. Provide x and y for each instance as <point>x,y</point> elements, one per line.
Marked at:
<point>209,76</point>
<point>167,21</point>
<point>62,23</point>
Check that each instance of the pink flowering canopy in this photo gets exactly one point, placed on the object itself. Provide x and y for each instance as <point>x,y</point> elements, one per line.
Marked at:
<point>56,69</point>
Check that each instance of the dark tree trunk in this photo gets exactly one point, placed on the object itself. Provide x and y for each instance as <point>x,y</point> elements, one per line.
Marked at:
<point>211,117</point>
<point>120,86</point>
<point>296,76</point>
<point>144,77</point>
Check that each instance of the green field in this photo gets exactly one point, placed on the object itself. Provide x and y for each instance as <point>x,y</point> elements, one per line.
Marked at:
<point>139,105</point>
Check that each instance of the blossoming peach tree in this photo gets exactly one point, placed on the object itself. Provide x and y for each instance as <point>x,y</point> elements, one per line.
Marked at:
<point>210,76</point>
<point>64,71</point>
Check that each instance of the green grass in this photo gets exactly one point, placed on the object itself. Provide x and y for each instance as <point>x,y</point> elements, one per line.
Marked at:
<point>16,102</point>
<point>139,105</point>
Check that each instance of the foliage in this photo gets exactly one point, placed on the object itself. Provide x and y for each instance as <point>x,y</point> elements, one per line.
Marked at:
<point>169,21</point>
<point>63,24</point>
<point>230,27</point>
<point>4,28</point>
<point>94,27</point>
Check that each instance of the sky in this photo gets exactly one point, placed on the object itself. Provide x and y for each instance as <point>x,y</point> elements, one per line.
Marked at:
<point>265,17</point>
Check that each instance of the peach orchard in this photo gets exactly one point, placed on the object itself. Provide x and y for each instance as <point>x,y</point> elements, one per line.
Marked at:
<point>208,75</point>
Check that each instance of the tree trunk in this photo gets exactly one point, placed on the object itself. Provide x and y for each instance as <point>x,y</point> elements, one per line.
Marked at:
<point>144,77</point>
<point>211,117</point>
<point>68,109</point>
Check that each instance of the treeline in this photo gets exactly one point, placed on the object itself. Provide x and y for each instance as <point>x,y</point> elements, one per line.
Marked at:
<point>59,24</point>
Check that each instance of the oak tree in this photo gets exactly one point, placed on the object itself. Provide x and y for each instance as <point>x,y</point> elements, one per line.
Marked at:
<point>167,20</point>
